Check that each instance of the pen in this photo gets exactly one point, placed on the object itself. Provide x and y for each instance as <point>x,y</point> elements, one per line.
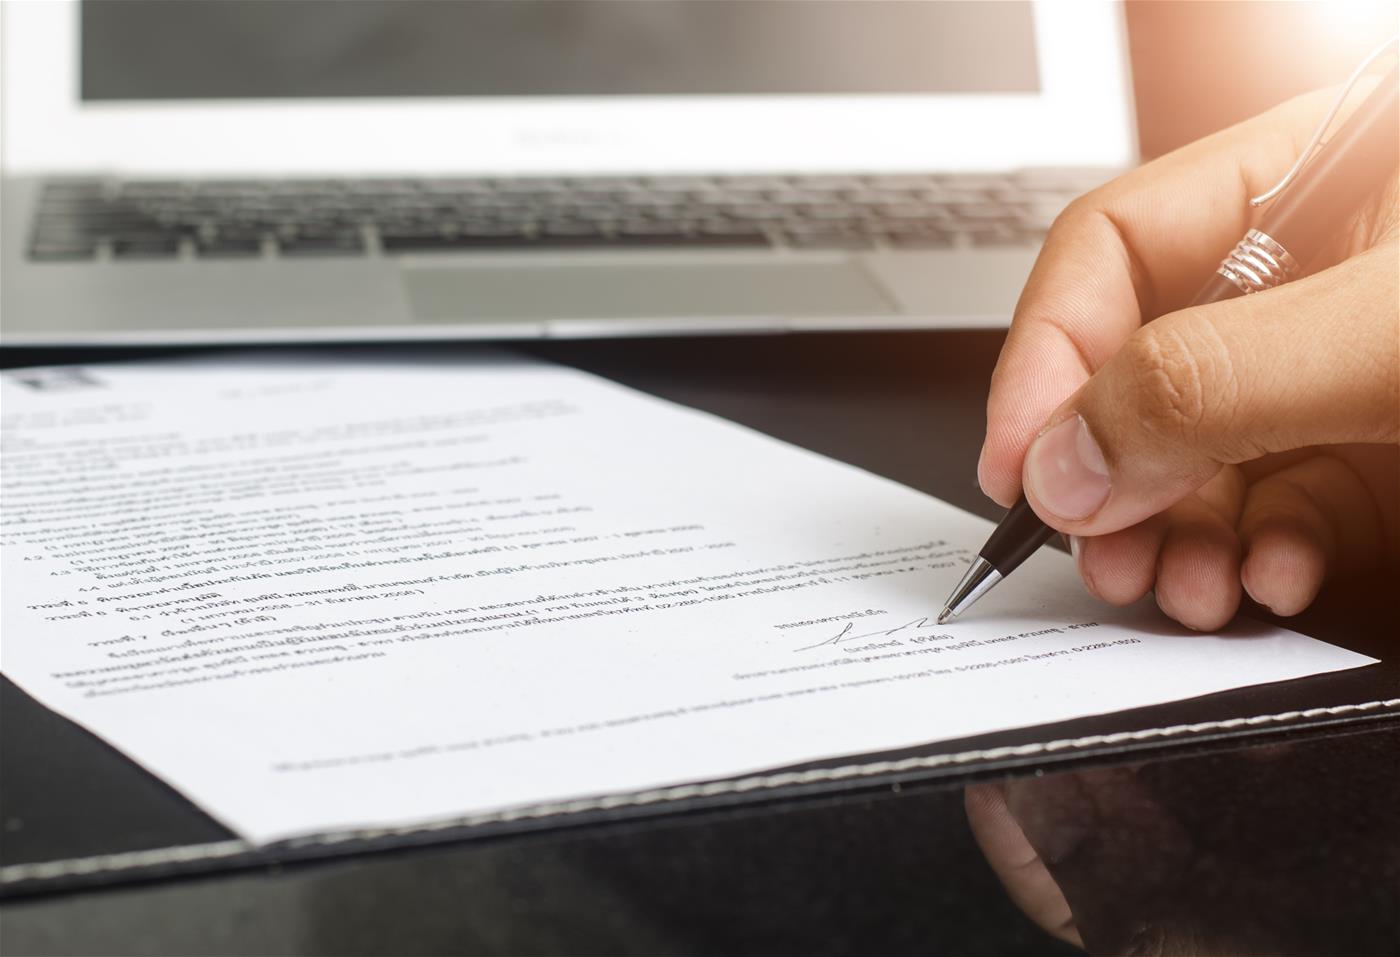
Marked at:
<point>1315,200</point>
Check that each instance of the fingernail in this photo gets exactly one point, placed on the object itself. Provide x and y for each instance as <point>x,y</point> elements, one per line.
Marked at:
<point>1074,547</point>
<point>1066,471</point>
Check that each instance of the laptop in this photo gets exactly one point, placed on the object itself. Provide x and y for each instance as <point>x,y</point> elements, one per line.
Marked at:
<point>232,171</point>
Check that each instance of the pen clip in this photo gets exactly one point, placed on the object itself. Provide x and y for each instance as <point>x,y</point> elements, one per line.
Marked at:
<point>1316,139</point>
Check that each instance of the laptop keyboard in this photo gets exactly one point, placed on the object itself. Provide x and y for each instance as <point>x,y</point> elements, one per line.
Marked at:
<point>99,219</point>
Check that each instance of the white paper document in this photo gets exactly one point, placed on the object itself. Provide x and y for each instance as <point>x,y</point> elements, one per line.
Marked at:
<point>323,595</point>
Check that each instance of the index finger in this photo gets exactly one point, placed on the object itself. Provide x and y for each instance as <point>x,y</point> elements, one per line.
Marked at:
<point>1117,257</point>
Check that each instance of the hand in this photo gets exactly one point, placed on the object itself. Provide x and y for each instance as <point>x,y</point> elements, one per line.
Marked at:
<point>1240,852</point>
<point>1248,444</point>
<point>1097,838</point>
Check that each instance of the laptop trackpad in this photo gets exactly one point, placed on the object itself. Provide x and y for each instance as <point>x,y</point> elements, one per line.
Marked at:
<point>656,289</point>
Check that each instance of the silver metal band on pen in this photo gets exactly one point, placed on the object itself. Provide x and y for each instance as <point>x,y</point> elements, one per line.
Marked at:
<point>1258,262</point>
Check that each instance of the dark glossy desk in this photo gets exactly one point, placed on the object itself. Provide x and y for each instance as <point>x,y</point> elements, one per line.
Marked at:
<point>1274,836</point>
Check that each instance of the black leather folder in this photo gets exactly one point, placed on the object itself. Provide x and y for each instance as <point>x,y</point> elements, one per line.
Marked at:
<point>908,406</point>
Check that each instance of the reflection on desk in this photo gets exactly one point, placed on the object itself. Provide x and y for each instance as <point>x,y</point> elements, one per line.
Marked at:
<point>1275,849</point>
<point>1278,848</point>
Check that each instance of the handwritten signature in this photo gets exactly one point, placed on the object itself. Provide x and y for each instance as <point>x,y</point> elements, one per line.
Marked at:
<point>848,633</point>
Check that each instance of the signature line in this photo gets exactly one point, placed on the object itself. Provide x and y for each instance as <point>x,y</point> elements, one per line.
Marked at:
<point>846,633</point>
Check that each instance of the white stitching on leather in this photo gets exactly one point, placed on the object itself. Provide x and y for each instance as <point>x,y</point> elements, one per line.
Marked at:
<point>132,860</point>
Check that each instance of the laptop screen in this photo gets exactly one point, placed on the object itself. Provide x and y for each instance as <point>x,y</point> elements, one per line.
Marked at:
<point>239,49</point>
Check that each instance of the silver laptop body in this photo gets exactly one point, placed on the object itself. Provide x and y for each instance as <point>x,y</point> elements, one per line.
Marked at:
<point>252,172</point>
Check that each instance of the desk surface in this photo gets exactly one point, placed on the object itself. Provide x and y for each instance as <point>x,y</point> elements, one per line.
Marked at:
<point>1282,844</point>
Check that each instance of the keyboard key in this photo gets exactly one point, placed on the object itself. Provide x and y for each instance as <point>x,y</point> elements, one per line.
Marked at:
<point>751,183</point>
<point>797,198</point>
<point>875,197</point>
<point>60,232</point>
<point>528,186</point>
<point>322,229</point>
<point>305,188</point>
<point>462,243</point>
<point>999,236</point>
<point>900,181</point>
<point>829,183</point>
<point>228,233</point>
<point>971,181</point>
<point>913,211</point>
<point>459,186</point>
<point>732,237</point>
<point>420,242</point>
<point>916,237</point>
<point>60,252</point>
<point>755,214</point>
<point>562,229</point>
<point>679,184</point>
<point>503,240</point>
<point>73,187</point>
<point>490,230</point>
<point>578,241</point>
<point>101,223</point>
<point>641,228</point>
<point>382,187</point>
<point>591,212</point>
<point>828,239</point>
<point>151,189</point>
<point>833,213</point>
<point>344,244</point>
<point>944,196</point>
<point>983,212</point>
<point>230,189</point>
<point>740,233</point>
<point>658,212</point>
<point>145,247</point>
<point>220,248</point>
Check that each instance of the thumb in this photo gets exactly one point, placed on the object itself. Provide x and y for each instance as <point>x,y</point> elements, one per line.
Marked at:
<point>1314,362</point>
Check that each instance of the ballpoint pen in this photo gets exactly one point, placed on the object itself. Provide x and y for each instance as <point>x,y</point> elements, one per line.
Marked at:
<point>1313,202</point>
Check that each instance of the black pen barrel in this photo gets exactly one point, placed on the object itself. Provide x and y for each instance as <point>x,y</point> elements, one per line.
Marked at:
<point>1216,289</point>
<point>1331,187</point>
<point>1341,177</point>
<point>1016,538</point>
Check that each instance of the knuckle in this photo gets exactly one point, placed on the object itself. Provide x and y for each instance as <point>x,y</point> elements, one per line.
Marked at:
<point>1182,374</point>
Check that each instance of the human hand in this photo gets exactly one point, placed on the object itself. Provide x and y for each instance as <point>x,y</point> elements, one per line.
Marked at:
<point>1269,849</point>
<point>1247,444</point>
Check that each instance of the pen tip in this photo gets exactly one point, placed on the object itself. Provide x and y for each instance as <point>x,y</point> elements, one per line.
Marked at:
<point>945,616</point>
